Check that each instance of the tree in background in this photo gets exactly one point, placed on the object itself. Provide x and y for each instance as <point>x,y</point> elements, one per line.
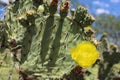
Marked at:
<point>108,24</point>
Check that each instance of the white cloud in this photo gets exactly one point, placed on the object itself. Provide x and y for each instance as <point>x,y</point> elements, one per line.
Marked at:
<point>101,11</point>
<point>6,1</point>
<point>115,1</point>
<point>101,4</point>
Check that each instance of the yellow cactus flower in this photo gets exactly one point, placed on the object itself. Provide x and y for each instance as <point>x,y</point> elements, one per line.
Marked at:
<point>85,54</point>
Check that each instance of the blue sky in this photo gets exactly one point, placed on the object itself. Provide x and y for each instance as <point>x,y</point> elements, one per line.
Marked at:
<point>102,6</point>
<point>2,11</point>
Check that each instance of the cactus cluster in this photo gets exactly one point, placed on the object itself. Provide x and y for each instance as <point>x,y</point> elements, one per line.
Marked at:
<point>40,34</point>
<point>44,36</point>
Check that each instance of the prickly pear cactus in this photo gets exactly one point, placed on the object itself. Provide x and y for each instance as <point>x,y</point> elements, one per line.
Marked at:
<point>45,34</point>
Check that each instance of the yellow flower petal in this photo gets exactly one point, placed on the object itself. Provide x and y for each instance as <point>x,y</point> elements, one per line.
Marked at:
<point>85,54</point>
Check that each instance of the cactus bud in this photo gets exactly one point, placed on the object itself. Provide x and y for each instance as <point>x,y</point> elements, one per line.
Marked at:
<point>13,42</point>
<point>95,41</point>
<point>89,31</point>
<point>72,11</point>
<point>41,8</point>
<point>64,9</point>
<point>66,5</point>
<point>31,12</point>
<point>78,70</point>
<point>56,15</point>
<point>80,13</point>
<point>53,7</point>
<point>54,3</point>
